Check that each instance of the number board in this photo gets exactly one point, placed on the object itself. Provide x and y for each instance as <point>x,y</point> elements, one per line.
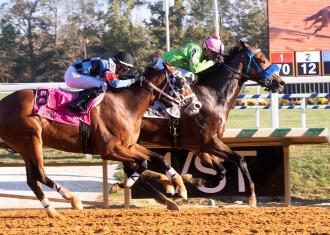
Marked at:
<point>285,60</point>
<point>326,62</point>
<point>308,63</point>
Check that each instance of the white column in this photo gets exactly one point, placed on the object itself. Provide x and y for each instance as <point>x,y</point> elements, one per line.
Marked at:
<point>105,184</point>
<point>167,25</point>
<point>258,111</point>
<point>216,20</point>
<point>274,118</point>
<point>303,112</point>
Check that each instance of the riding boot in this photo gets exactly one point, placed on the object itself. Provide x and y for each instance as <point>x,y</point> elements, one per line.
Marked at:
<point>85,97</point>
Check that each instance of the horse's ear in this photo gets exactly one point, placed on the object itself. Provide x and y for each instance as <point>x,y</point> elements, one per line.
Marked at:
<point>257,44</point>
<point>169,67</point>
<point>244,44</point>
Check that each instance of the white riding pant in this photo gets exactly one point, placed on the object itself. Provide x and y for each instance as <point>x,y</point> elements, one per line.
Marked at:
<point>76,80</point>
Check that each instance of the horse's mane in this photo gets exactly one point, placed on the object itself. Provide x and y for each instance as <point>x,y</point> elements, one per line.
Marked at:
<point>215,79</point>
<point>213,75</point>
<point>149,70</point>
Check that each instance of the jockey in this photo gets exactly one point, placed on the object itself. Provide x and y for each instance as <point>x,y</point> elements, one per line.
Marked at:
<point>190,60</point>
<point>95,74</point>
<point>157,54</point>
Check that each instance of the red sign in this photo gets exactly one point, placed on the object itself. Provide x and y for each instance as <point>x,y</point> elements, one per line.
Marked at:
<point>282,57</point>
<point>285,60</point>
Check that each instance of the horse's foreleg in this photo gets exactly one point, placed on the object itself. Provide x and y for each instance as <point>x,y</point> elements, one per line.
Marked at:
<point>220,149</point>
<point>210,161</point>
<point>159,197</point>
<point>161,178</point>
<point>175,176</point>
<point>132,176</point>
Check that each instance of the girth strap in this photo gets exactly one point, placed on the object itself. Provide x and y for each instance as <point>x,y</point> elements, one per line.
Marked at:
<point>85,137</point>
<point>174,131</point>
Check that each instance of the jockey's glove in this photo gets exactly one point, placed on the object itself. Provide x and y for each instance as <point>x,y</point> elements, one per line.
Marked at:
<point>121,83</point>
<point>219,59</point>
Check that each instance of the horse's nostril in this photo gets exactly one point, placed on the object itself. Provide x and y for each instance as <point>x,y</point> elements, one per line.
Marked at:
<point>282,83</point>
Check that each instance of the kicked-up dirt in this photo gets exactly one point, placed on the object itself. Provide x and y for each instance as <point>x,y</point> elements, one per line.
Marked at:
<point>262,220</point>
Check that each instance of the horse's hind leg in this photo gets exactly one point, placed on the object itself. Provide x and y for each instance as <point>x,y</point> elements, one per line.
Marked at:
<point>65,193</point>
<point>32,174</point>
<point>33,157</point>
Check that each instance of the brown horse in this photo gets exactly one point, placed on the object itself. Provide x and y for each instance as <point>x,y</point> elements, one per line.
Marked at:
<point>115,129</point>
<point>217,89</point>
<point>322,17</point>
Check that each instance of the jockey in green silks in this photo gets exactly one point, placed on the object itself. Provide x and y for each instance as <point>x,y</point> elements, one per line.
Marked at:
<point>189,60</point>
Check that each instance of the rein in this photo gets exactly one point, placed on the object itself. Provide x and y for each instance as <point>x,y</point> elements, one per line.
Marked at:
<point>234,71</point>
<point>152,86</point>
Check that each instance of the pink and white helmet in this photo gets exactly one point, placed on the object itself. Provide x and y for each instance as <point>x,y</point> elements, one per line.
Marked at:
<point>214,44</point>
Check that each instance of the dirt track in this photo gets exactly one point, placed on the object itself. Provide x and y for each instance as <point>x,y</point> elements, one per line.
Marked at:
<point>266,220</point>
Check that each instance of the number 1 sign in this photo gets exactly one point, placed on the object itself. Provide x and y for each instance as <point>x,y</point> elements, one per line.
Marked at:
<point>285,60</point>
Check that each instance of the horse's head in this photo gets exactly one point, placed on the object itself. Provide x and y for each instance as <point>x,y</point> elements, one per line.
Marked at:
<point>259,69</point>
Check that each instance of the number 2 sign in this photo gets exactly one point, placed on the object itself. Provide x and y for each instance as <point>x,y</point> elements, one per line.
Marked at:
<point>308,63</point>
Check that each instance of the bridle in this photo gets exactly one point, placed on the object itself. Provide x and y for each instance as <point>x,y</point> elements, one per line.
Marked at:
<point>161,92</point>
<point>263,73</point>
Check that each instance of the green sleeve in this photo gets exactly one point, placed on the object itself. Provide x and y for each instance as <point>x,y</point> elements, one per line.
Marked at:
<point>205,64</point>
<point>195,55</point>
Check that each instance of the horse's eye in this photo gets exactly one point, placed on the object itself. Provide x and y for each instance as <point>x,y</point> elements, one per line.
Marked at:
<point>261,61</point>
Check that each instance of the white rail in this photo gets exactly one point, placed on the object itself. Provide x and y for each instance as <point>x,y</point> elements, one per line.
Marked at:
<point>274,107</point>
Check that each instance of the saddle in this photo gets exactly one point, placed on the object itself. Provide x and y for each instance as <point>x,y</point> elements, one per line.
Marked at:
<point>52,104</point>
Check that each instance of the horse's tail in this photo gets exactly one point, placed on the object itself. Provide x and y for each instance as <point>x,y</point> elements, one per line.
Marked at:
<point>317,14</point>
<point>5,146</point>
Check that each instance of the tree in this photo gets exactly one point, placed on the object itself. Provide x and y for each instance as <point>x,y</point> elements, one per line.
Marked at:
<point>9,38</point>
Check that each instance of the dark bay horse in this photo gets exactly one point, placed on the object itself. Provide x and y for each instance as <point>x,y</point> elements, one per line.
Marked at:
<point>217,89</point>
<point>115,128</point>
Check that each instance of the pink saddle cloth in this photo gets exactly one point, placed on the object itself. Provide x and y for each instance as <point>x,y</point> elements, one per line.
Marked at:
<point>51,103</point>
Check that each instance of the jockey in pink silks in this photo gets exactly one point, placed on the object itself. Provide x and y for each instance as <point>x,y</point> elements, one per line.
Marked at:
<point>94,75</point>
<point>190,60</point>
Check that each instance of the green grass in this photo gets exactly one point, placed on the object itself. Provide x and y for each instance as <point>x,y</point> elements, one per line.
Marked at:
<point>50,156</point>
<point>309,164</point>
<point>288,118</point>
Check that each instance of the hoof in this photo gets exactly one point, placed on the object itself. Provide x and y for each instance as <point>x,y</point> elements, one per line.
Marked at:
<point>77,204</point>
<point>170,189</point>
<point>198,182</point>
<point>114,188</point>
<point>187,178</point>
<point>51,212</point>
<point>252,201</point>
<point>183,193</point>
<point>172,206</point>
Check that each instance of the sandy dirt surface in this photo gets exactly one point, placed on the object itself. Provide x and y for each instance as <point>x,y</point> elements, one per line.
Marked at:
<point>265,220</point>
